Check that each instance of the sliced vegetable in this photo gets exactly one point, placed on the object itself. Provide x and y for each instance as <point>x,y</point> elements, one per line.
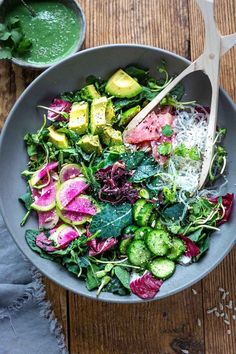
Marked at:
<point>99,247</point>
<point>138,253</point>
<point>47,219</point>
<point>69,171</point>
<point>124,243</point>
<point>142,212</point>
<point>42,173</point>
<point>158,242</point>
<point>83,204</point>
<point>177,249</point>
<point>57,108</point>
<point>70,189</point>
<point>72,217</point>
<point>162,268</point>
<point>145,286</point>
<point>47,200</point>
<point>142,233</point>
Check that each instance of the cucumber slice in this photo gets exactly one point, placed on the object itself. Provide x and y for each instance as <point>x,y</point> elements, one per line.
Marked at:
<point>144,215</point>
<point>138,253</point>
<point>158,242</point>
<point>137,207</point>
<point>142,232</point>
<point>177,249</point>
<point>162,268</point>
<point>124,245</point>
<point>130,230</point>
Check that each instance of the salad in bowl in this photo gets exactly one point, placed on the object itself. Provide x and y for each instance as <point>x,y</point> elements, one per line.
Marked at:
<point>120,208</point>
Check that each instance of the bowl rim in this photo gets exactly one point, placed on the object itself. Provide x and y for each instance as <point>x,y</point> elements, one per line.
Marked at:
<point>81,16</point>
<point>91,295</point>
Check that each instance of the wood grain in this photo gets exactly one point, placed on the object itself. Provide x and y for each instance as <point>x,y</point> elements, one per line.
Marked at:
<point>180,322</point>
<point>217,340</point>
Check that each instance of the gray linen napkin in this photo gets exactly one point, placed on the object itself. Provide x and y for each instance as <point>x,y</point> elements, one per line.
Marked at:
<point>27,323</point>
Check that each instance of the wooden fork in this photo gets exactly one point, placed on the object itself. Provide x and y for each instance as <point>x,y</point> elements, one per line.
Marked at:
<point>215,46</point>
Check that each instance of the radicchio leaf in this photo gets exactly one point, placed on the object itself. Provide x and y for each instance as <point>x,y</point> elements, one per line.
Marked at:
<point>98,247</point>
<point>227,202</point>
<point>59,106</point>
<point>192,250</point>
<point>145,286</point>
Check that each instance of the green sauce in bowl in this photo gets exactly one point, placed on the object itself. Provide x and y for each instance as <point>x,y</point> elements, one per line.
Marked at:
<point>54,31</point>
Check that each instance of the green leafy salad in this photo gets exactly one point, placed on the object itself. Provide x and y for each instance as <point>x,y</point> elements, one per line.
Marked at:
<point>120,207</point>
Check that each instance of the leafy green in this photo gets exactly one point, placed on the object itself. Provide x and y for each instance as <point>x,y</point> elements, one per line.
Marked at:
<point>195,235</point>
<point>175,212</point>
<point>116,287</point>
<point>12,39</point>
<point>167,130</point>
<point>26,199</point>
<point>30,236</point>
<point>111,220</point>
<point>183,151</point>
<point>123,275</point>
<point>136,71</point>
<point>178,91</point>
<point>92,281</point>
<point>165,148</point>
<point>147,168</point>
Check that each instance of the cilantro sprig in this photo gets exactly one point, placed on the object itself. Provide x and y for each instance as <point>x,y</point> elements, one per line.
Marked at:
<point>12,39</point>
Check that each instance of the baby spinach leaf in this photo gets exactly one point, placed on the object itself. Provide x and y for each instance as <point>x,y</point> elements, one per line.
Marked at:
<point>30,236</point>
<point>137,71</point>
<point>174,212</point>
<point>92,281</point>
<point>27,200</point>
<point>116,287</point>
<point>195,235</point>
<point>123,275</point>
<point>147,168</point>
<point>111,220</point>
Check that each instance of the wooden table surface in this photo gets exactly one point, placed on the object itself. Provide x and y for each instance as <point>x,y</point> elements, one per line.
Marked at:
<point>178,324</point>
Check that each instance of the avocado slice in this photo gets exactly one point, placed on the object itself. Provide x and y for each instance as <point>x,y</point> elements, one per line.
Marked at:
<point>110,113</point>
<point>89,92</point>
<point>128,115</point>
<point>111,137</point>
<point>58,139</point>
<point>90,143</point>
<point>98,115</point>
<point>79,117</point>
<point>122,85</point>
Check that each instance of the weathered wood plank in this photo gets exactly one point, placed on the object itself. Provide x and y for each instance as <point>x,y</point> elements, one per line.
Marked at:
<point>163,327</point>
<point>217,340</point>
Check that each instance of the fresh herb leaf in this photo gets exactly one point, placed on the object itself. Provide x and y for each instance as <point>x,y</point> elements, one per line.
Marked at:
<point>136,71</point>
<point>165,148</point>
<point>167,130</point>
<point>111,220</point>
<point>178,91</point>
<point>123,275</point>
<point>194,154</point>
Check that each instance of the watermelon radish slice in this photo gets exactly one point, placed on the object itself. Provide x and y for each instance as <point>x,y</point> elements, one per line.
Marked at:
<point>72,217</point>
<point>43,172</point>
<point>150,128</point>
<point>63,236</point>
<point>82,204</point>
<point>47,219</point>
<point>59,238</point>
<point>69,171</point>
<point>47,200</point>
<point>69,190</point>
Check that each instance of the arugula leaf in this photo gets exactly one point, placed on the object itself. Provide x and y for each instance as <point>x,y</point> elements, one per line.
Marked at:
<point>123,275</point>
<point>71,96</point>
<point>165,148</point>
<point>167,130</point>
<point>178,91</point>
<point>111,220</point>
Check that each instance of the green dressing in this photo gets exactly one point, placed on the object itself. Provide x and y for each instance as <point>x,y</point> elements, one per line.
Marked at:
<point>54,31</point>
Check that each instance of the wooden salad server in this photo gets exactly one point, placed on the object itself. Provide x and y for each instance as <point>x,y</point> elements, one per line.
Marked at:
<point>215,46</point>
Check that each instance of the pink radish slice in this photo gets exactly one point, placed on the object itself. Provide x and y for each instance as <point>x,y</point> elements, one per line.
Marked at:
<point>69,190</point>
<point>82,204</point>
<point>69,171</point>
<point>43,172</point>
<point>47,219</point>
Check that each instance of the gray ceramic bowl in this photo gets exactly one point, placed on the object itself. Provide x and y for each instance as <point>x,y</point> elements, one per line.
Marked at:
<point>70,75</point>
<point>5,5</point>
